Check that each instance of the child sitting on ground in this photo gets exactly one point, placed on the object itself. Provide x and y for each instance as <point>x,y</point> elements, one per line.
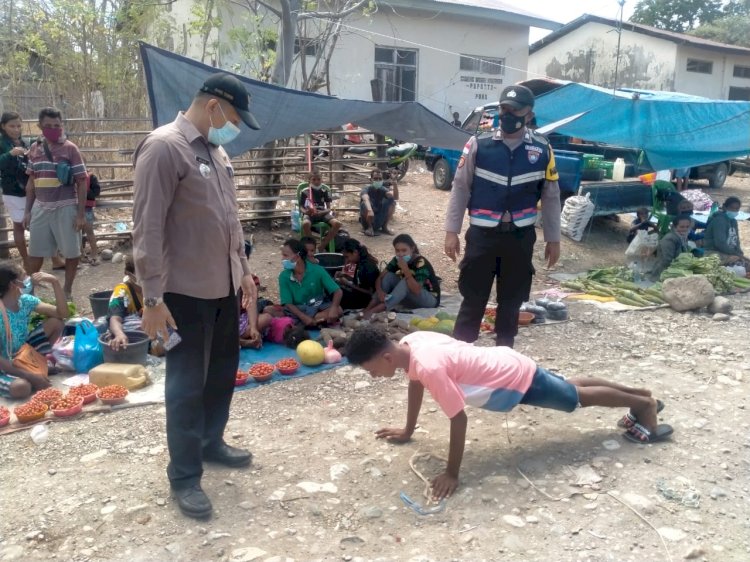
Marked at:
<point>457,373</point>
<point>311,246</point>
<point>641,222</point>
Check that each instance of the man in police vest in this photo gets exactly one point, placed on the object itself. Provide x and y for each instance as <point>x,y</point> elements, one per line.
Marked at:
<point>501,178</point>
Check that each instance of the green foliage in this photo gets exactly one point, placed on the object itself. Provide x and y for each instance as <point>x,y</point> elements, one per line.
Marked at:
<point>734,30</point>
<point>677,15</point>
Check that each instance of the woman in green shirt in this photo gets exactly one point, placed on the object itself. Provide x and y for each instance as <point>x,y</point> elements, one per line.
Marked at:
<point>307,293</point>
<point>13,176</point>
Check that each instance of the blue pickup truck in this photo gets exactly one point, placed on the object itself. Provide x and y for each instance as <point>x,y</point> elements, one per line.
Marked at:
<point>570,165</point>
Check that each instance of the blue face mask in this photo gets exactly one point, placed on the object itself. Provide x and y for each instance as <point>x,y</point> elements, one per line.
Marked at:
<point>288,264</point>
<point>225,135</point>
<point>28,286</point>
<point>406,258</point>
<point>378,183</point>
<point>731,214</point>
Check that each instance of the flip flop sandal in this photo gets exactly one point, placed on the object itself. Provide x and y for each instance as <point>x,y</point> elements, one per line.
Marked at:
<point>369,232</point>
<point>629,420</point>
<point>639,434</point>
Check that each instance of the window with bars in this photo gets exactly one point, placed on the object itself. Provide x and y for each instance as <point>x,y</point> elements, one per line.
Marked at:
<point>741,71</point>
<point>397,71</point>
<point>482,65</point>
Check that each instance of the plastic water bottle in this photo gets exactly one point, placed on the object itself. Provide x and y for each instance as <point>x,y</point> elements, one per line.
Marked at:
<point>637,272</point>
<point>296,224</point>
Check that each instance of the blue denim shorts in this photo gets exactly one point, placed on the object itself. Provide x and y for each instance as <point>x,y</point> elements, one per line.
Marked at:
<point>549,390</point>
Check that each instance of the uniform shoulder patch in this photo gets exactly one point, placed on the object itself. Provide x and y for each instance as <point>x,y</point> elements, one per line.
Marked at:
<point>461,161</point>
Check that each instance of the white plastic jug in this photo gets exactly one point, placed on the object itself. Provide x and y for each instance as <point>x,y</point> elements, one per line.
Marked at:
<point>618,170</point>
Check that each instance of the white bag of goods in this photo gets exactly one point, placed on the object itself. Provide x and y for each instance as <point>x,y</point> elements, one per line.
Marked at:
<point>576,214</point>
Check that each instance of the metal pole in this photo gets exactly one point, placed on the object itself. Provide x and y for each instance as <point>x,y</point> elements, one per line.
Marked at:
<point>619,39</point>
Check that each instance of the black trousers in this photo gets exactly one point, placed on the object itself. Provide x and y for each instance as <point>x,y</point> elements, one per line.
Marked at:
<point>200,381</point>
<point>494,256</point>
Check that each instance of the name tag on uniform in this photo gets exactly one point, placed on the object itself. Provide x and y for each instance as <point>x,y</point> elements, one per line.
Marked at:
<point>203,166</point>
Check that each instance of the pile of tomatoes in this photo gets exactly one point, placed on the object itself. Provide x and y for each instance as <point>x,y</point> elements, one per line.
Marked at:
<point>83,390</point>
<point>4,412</point>
<point>488,322</point>
<point>67,402</point>
<point>47,396</point>
<point>31,409</point>
<point>287,365</point>
<point>112,392</point>
<point>260,370</point>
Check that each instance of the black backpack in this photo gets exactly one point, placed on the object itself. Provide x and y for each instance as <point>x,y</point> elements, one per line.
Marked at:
<point>94,188</point>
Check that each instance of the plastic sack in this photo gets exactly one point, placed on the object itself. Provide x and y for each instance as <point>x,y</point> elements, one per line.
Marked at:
<point>643,245</point>
<point>62,352</point>
<point>87,351</point>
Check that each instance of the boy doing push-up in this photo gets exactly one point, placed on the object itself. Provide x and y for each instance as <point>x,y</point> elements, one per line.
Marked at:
<point>457,373</point>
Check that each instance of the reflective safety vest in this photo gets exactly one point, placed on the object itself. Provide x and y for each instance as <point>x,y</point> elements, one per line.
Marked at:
<point>511,181</point>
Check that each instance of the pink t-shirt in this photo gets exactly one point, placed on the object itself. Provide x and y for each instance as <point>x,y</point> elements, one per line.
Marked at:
<point>457,373</point>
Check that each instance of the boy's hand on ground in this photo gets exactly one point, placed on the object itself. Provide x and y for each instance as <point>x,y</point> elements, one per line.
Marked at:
<point>443,486</point>
<point>394,434</point>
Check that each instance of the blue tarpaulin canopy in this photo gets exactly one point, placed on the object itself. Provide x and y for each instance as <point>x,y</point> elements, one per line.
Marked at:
<point>173,80</point>
<point>675,130</point>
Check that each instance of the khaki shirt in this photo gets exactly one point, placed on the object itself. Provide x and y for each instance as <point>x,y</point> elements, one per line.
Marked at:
<point>187,236</point>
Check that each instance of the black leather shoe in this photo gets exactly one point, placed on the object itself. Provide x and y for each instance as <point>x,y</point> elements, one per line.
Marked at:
<point>228,455</point>
<point>193,502</point>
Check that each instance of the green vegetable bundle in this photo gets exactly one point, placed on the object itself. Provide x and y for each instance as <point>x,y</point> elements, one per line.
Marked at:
<point>623,291</point>
<point>723,280</point>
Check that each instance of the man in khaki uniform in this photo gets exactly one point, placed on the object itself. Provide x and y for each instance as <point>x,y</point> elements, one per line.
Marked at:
<point>189,253</point>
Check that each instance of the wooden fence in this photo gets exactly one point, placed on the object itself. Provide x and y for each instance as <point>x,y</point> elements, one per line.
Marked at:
<point>266,178</point>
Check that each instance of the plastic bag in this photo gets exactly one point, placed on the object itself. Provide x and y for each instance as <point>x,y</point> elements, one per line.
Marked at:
<point>643,245</point>
<point>87,351</point>
<point>62,352</point>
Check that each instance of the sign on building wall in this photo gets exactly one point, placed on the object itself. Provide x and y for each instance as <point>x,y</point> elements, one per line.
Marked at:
<point>482,76</point>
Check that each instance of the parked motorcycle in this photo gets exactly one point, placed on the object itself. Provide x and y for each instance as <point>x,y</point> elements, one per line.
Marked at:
<point>398,156</point>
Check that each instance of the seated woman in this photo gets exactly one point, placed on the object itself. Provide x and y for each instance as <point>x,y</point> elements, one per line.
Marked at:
<point>17,305</point>
<point>408,280</point>
<point>307,293</point>
<point>722,234</point>
<point>674,243</point>
<point>125,310</point>
<point>358,277</point>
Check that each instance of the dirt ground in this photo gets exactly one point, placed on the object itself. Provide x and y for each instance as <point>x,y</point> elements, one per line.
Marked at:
<point>536,485</point>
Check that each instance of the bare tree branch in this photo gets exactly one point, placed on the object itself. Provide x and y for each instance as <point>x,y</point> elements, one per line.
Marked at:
<point>333,15</point>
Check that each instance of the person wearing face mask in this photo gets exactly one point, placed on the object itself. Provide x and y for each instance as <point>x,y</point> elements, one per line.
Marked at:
<point>315,203</point>
<point>185,215</point>
<point>674,243</point>
<point>501,178</point>
<point>409,280</point>
<point>377,205</point>
<point>306,290</point>
<point>722,234</point>
<point>18,304</point>
<point>13,178</point>
<point>55,197</point>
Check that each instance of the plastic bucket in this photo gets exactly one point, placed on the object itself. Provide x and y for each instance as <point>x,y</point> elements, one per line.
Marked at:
<point>331,262</point>
<point>135,353</point>
<point>100,303</point>
<point>591,160</point>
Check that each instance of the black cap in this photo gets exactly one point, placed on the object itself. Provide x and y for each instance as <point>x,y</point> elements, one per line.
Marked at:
<point>517,97</point>
<point>227,87</point>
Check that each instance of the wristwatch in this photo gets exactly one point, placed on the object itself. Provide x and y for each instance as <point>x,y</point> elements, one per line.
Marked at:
<point>151,302</point>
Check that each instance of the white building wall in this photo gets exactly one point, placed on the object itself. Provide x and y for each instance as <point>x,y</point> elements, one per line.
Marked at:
<point>441,85</point>
<point>715,85</point>
<point>589,54</point>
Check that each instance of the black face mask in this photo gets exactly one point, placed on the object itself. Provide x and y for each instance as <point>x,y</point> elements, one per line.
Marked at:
<point>510,123</point>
